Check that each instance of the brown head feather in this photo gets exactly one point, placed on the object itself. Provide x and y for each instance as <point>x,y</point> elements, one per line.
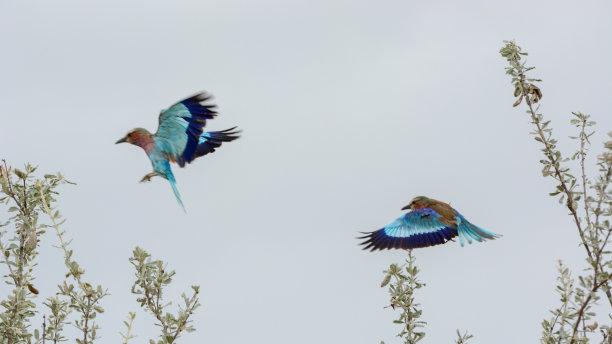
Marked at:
<point>140,137</point>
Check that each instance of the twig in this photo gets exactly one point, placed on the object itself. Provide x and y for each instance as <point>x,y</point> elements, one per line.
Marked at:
<point>189,311</point>
<point>129,327</point>
<point>584,307</point>
<point>555,160</point>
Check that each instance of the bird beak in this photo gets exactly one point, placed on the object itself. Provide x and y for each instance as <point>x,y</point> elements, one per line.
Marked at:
<point>406,207</point>
<point>121,140</point>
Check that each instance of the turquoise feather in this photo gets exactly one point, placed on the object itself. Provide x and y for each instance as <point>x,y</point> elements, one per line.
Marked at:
<point>180,137</point>
<point>429,223</point>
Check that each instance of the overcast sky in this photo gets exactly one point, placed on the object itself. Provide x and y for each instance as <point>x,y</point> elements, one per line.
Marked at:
<point>348,110</point>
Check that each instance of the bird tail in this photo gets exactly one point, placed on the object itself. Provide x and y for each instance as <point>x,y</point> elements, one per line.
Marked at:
<point>468,232</point>
<point>177,194</point>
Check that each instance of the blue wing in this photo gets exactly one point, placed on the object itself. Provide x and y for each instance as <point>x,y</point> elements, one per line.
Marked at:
<point>213,139</point>
<point>180,127</point>
<point>418,228</point>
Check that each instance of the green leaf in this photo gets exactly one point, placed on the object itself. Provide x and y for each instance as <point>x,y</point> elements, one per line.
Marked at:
<point>20,174</point>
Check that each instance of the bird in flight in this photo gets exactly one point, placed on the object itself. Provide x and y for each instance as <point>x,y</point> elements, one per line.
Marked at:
<point>428,223</point>
<point>180,137</point>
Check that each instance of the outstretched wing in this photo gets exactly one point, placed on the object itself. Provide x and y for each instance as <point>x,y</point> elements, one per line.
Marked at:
<point>180,127</point>
<point>211,140</point>
<point>418,228</point>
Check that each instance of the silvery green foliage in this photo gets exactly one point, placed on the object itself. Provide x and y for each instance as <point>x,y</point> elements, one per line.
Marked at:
<point>402,282</point>
<point>559,328</point>
<point>127,336</point>
<point>15,320</point>
<point>589,204</point>
<point>19,238</point>
<point>81,296</point>
<point>152,277</point>
<point>54,325</point>
<point>463,338</point>
<point>28,200</point>
<point>77,301</point>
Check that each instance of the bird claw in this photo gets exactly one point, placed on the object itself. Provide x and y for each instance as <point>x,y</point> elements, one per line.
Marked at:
<point>147,178</point>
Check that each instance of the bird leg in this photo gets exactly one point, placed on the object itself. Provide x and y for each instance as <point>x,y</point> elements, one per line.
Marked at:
<point>148,176</point>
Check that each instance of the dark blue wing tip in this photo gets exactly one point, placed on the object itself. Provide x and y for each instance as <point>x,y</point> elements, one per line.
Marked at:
<point>379,240</point>
<point>200,111</point>
<point>231,131</point>
<point>198,106</point>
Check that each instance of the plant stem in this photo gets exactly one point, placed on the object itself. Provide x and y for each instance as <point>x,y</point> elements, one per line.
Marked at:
<point>559,176</point>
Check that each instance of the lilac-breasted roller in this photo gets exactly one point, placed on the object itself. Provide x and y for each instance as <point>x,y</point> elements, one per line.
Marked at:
<point>180,137</point>
<point>429,222</point>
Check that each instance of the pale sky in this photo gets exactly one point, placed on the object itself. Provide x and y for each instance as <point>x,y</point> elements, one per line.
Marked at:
<point>348,110</point>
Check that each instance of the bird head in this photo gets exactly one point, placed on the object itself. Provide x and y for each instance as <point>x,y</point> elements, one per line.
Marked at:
<point>417,202</point>
<point>135,136</point>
